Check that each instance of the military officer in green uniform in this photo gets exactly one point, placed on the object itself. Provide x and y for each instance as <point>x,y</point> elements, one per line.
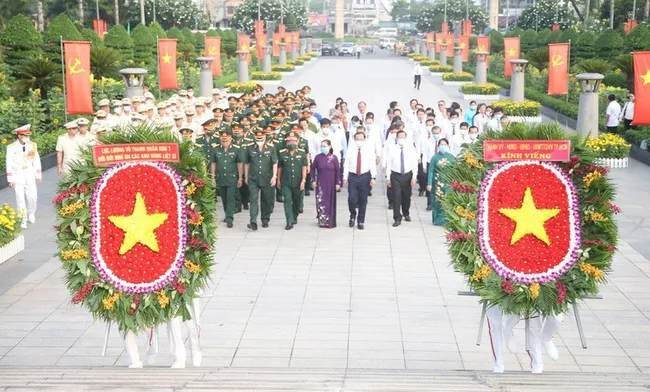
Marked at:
<point>292,173</point>
<point>260,167</point>
<point>242,195</point>
<point>227,173</point>
<point>208,142</point>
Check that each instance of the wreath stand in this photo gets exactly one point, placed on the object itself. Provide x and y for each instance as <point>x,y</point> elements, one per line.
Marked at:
<point>154,340</point>
<point>576,313</point>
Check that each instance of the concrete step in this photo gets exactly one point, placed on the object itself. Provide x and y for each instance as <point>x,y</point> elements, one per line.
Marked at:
<point>283,379</point>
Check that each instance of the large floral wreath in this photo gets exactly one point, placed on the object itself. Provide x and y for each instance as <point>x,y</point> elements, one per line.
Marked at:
<point>136,239</point>
<point>530,236</point>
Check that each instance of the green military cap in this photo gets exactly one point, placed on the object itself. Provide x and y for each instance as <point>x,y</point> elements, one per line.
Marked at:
<point>259,132</point>
<point>237,126</point>
<point>217,110</point>
<point>225,132</point>
<point>210,124</point>
<point>228,110</point>
<point>281,89</point>
<point>186,130</point>
<point>296,127</point>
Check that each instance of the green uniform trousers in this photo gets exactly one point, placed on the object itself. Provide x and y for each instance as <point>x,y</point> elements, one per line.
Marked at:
<point>293,198</point>
<point>228,199</point>
<point>265,195</point>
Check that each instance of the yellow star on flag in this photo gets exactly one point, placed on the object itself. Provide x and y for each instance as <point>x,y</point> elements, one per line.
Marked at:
<point>529,219</point>
<point>462,45</point>
<point>244,47</point>
<point>512,52</point>
<point>646,78</point>
<point>139,227</point>
<point>167,58</point>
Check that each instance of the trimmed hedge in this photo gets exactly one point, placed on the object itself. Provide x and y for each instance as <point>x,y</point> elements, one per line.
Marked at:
<point>283,68</point>
<point>118,39</point>
<point>144,44</point>
<point>22,39</point>
<point>457,77</point>
<point>266,76</point>
<point>480,89</point>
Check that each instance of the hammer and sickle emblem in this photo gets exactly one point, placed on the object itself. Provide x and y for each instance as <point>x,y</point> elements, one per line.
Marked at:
<point>72,66</point>
<point>481,48</point>
<point>212,50</point>
<point>557,60</point>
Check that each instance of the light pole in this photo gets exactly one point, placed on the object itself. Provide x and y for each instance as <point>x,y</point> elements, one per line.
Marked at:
<point>444,19</point>
<point>507,15</point>
<point>97,8</point>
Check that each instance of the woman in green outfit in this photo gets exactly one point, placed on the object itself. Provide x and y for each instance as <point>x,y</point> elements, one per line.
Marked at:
<point>435,184</point>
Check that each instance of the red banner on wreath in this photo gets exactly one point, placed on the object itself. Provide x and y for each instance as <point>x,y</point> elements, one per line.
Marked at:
<point>111,154</point>
<point>518,150</point>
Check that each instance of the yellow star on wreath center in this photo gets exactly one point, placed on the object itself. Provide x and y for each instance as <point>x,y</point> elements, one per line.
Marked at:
<point>139,226</point>
<point>529,219</point>
<point>167,58</point>
<point>512,52</point>
<point>646,78</point>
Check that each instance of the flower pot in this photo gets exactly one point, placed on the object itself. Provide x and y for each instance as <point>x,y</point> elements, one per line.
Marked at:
<point>613,163</point>
<point>11,249</point>
<point>267,82</point>
<point>455,82</point>
<point>526,119</point>
<point>482,97</point>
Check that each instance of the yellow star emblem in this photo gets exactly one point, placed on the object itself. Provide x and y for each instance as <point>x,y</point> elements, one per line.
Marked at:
<point>512,52</point>
<point>167,59</point>
<point>529,219</point>
<point>139,227</point>
<point>646,78</point>
<point>462,45</point>
<point>244,47</point>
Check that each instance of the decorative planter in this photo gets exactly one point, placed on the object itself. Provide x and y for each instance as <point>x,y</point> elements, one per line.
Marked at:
<point>267,82</point>
<point>613,163</point>
<point>455,83</point>
<point>11,249</point>
<point>526,119</point>
<point>482,97</point>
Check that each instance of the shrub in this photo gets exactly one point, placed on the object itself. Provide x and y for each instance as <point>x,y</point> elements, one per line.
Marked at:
<point>304,58</point>
<point>90,35</point>
<point>615,79</point>
<point>38,73</point>
<point>637,136</point>
<point>554,37</point>
<point>441,68</point>
<point>542,37</point>
<point>594,66</point>
<point>176,33</point>
<point>60,27</point>
<point>496,41</point>
<point>199,41</point>
<point>266,76</point>
<point>21,38</point>
<point>157,31</point>
<point>638,39</point>
<point>457,77</point>
<point>428,63</point>
<point>528,40</point>
<point>144,44</point>
<point>609,145</point>
<point>118,39</point>
<point>524,109</point>
<point>188,36</point>
<point>105,63</point>
<point>586,45</point>
<point>295,62</point>
<point>480,89</point>
<point>609,44</point>
<point>236,87</point>
<point>283,68</point>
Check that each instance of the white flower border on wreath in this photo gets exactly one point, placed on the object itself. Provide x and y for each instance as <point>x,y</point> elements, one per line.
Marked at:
<point>95,207</point>
<point>569,259</point>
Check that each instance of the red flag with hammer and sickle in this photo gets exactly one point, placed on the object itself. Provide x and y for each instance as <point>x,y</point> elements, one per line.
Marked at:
<point>77,77</point>
<point>213,49</point>
<point>558,70</point>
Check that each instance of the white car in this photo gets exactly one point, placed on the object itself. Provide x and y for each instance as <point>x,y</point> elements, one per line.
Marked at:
<point>346,48</point>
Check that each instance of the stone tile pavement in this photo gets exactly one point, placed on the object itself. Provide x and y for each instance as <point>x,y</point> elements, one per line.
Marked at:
<point>382,298</point>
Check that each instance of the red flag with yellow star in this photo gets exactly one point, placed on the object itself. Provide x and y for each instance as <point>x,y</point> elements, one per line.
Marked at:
<point>558,69</point>
<point>641,87</point>
<point>213,49</point>
<point>439,38</point>
<point>260,43</point>
<point>77,78</point>
<point>463,42</point>
<point>167,64</point>
<point>244,44</point>
<point>449,40</point>
<point>483,45</point>
<point>511,52</point>
<point>277,38</point>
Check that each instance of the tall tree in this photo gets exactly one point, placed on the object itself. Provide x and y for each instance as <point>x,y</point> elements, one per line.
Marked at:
<point>39,16</point>
<point>81,11</point>
<point>116,11</point>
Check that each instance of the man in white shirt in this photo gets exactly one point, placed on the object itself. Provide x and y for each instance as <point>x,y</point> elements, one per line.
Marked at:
<point>481,118</point>
<point>495,122</point>
<point>461,137</point>
<point>401,169</point>
<point>67,148</point>
<point>612,114</point>
<point>363,112</point>
<point>359,173</point>
<point>411,114</point>
<point>326,133</point>
<point>627,114</point>
<point>417,75</point>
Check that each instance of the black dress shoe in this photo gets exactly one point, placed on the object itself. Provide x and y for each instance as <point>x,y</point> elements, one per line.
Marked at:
<point>300,210</point>
<point>351,223</point>
<point>252,226</point>
<point>369,193</point>
<point>229,224</point>
<point>245,206</point>
<point>238,210</point>
<point>421,193</point>
<point>429,208</point>
<point>265,224</point>
<point>289,226</point>
<point>307,192</point>
<point>295,221</point>
<point>390,206</point>
<point>360,226</point>
<point>407,218</point>
<point>397,223</point>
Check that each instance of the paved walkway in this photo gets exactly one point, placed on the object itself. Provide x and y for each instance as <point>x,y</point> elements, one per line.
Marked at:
<point>382,298</point>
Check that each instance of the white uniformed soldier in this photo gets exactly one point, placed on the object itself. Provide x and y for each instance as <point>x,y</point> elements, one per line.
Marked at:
<point>99,121</point>
<point>24,172</point>
<point>67,148</point>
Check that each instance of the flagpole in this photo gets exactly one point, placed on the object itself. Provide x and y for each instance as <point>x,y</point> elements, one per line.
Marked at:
<point>65,97</point>
<point>568,66</point>
<point>158,63</point>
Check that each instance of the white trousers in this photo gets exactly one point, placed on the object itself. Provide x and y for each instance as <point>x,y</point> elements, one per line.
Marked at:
<point>501,326</point>
<point>26,197</point>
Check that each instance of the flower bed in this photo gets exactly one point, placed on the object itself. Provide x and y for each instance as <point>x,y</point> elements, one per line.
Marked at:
<point>266,76</point>
<point>304,58</point>
<point>11,241</point>
<point>441,68</point>
<point>283,68</point>
<point>609,145</point>
<point>499,239</point>
<point>137,252</point>
<point>480,89</point>
<point>457,77</point>
<point>296,62</point>
<point>236,87</point>
<point>524,109</point>
<point>428,63</point>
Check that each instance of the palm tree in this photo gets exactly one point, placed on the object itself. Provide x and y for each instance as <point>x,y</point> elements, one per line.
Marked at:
<point>538,58</point>
<point>37,73</point>
<point>626,65</point>
<point>594,66</point>
<point>104,62</point>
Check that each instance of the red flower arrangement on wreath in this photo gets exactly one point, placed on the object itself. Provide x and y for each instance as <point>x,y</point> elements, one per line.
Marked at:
<point>83,188</point>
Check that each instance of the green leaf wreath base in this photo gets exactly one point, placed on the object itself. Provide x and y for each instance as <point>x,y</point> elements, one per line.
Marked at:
<point>599,236</point>
<point>135,312</point>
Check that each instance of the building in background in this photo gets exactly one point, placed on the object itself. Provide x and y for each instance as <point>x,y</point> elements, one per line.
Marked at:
<point>359,15</point>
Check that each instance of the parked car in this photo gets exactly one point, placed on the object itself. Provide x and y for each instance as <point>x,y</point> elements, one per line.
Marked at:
<point>387,43</point>
<point>328,49</point>
<point>346,48</point>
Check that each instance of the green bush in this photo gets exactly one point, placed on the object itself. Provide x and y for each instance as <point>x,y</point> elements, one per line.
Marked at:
<point>428,63</point>
<point>295,62</point>
<point>585,47</point>
<point>118,39</point>
<point>175,33</point>
<point>594,66</point>
<point>157,31</point>
<point>638,39</point>
<point>60,27</point>
<point>496,41</point>
<point>542,37</point>
<point>614,79</point>
<point>528,40</point>
<point>90,35</point>
<point>105,63</point>
<point>480,89</point>
<point>457,77</point>
<point>440,68</point>
<point>636,136</point>
<point>144,45</point>
<point>21,38</point>
<point>609,44</point>
<point>188,36</point>
<point>199,40</point>
<point>554,37</point>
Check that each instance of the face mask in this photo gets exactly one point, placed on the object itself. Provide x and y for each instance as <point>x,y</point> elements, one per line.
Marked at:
<point>313,110</point>
<point>361,143</point>
<point>260,140</point>
<point>117,110</point>
<point>326,131</point>
<point>436,136</point>
<point>25,140</point>
<point>498,116</point>
<point>454,121</point>
<point>473,136</point>
<point>464,132</point>
<point>127,109</point>
<point>400,142</point>
<point>325,150</point>
<point>443,149</point>
<point>393,136</point>
<point>237,136</point>
<point>225,139</point>
<point>292,146</point>
<point>335,126</point>
<point>472,108</point>
<point>276,131</point>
